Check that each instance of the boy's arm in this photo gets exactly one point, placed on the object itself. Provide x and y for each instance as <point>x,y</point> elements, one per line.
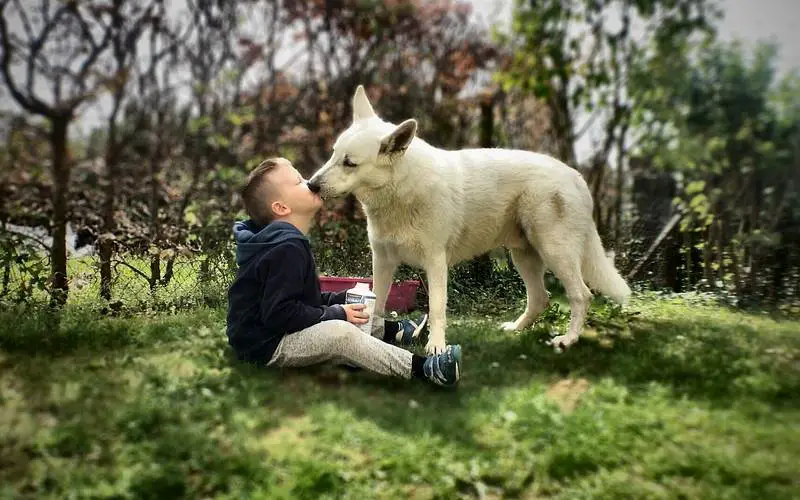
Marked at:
<point>282,305</point>
<point>331,298</point>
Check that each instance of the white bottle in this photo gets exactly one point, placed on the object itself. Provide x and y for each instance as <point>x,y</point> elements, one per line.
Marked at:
<point>361,294</point>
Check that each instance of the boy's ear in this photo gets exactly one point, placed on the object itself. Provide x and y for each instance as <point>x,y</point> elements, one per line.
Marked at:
<point>400,138</point>
<point>279,209</point>
<point>361,106</point>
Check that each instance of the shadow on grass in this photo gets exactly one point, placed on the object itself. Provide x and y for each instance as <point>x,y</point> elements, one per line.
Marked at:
<point>710,363</point>
<point>191,419</point>
<point>57,334</point>
<point>699,359</point>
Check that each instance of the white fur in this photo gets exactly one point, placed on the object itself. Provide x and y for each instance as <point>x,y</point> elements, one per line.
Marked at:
<point>432,208</point>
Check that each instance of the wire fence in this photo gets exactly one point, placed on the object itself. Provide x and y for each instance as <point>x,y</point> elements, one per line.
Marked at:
<point>138,282</point>
<point>648,247</point>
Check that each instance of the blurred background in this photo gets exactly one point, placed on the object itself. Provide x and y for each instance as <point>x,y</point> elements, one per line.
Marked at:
<point>128,126</point>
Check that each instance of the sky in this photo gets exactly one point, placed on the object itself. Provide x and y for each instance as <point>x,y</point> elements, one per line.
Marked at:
<point>746,20</point>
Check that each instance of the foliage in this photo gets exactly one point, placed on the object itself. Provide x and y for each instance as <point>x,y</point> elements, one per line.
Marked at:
<point>730,130</point>
<point>576,55</point>
<point>211,92</point>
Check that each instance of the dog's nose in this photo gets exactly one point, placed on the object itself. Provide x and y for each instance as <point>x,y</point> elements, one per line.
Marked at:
<point>314,186</point>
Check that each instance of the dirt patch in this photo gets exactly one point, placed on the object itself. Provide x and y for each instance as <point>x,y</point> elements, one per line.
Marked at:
<point>566,393</point>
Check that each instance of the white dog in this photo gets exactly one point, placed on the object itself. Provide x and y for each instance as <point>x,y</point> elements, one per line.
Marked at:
<point>431,208</point>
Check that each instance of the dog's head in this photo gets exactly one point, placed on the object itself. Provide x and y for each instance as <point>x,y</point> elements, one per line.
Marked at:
<point>364,154</point>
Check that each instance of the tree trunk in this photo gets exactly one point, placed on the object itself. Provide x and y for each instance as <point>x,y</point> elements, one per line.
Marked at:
<point>204,272</point>
<point>61,175</point>
<point>169,271</point>
<point>596,181</point>
<point>562,127</point>
<point>620,186</point>
<point>106,244</point>
<point>155,224</point>
<point>487,123</point>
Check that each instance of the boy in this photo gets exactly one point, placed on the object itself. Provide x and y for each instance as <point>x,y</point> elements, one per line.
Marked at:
<point>276,313</point>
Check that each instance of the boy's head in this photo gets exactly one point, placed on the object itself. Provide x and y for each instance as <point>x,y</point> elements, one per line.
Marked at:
<point>275,190</point>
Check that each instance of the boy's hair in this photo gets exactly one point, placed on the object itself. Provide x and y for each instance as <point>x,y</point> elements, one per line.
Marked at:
<point>256,194</point>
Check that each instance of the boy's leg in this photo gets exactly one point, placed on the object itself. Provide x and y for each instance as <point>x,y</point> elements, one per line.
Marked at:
<point>342,342</point>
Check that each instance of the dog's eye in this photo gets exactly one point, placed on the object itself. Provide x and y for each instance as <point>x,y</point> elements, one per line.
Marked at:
<point>348,162</point>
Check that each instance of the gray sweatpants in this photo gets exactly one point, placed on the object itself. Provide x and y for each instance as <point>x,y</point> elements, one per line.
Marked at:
<point>341,342</point>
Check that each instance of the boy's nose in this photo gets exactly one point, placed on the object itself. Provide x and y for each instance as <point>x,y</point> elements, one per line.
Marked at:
<point>314,186</point>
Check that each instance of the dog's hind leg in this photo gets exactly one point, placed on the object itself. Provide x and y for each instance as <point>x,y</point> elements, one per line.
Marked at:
<point>531,268</point>
<point>565,263</point>
<point>557,228</point>
<point>580,297</point>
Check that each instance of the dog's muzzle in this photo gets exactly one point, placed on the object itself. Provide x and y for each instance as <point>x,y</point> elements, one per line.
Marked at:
<point>314,187</point>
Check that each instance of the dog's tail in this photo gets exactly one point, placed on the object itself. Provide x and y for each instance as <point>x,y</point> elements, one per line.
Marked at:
<point>600,273</point>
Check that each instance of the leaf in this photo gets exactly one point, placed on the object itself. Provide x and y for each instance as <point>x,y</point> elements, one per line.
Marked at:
<point>191,219</point>
<point>695,187</point>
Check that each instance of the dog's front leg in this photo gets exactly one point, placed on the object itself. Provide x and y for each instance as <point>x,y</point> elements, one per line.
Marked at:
<point>384,264</point>
<point>436,270</point>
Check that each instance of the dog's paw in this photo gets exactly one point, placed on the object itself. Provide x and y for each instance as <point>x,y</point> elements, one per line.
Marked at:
<point>434,346</point>
<point>562,342</point>
<point>509,326</point>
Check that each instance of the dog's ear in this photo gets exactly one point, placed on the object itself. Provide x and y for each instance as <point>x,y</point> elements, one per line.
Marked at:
<point>400,138</point>
<point>361,106</point>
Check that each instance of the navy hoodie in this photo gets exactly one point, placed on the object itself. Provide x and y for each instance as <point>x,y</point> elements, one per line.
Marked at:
<point>276,291</point>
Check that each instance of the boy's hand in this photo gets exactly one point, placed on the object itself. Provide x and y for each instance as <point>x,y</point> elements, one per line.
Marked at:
<point>355,314</point>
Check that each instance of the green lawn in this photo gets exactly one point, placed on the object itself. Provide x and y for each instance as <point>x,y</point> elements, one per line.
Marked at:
<point>682,400</point>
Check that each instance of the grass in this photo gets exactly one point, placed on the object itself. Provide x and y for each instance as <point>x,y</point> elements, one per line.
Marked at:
<point>681,400</point>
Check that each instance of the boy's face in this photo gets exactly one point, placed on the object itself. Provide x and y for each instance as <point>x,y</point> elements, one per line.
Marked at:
<point>290,192</point>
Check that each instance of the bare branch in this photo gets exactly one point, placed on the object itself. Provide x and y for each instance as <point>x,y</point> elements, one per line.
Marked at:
<point>45,8</point>
<point>30,102</point>
<point>36,47</point>
<point>97,49</point>
<point>118,262</point>
<point>25,22</point>
<point>588,123</point>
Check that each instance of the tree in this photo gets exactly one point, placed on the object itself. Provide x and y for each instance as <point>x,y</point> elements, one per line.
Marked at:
<point>129,22</point>
<point>732,133</point>
<point>576,55</point>
<point>50,54</point>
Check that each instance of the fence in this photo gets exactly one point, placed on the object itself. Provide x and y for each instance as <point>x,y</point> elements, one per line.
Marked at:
<point>341,249</point>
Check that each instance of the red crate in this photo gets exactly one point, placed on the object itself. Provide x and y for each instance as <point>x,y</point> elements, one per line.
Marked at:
<point>402,296</point>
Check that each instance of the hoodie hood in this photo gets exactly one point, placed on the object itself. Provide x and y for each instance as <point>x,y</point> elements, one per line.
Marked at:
<point>252,239</point>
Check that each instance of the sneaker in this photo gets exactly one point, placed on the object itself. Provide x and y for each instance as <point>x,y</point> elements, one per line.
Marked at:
<point>409,330</point>
<point>443,369</point>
